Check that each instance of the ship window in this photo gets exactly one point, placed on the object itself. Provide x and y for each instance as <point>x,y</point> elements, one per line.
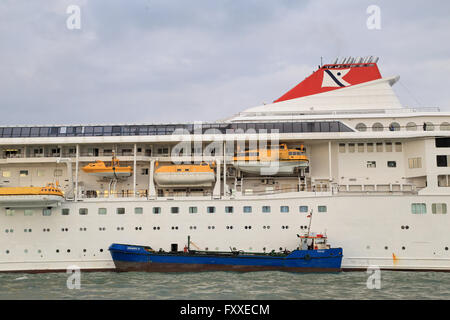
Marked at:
<point>65,211</point>
<point>418,208</point>
<point>322,208</point>
<point>247,209</point>
<point>192,209</point>
<point>287,127</point>
<point>392,164</point>
<point>101,210</point>
<point>6,174</point>
<point>43,132</point>
<point>98,131</point>
<point>428,126</point>
<point>414,163</point>
<point>388,146</point>
<point>379,146</point>
<point>23,173</point>
<point>9,212</point>
<point>107,130</point>
<point>228,209</point>
<point>442,142</point>
<point>439,208</point>
<point>83,211</point>
<point>138,210</point>
<point>443,180</point>
<point>7,132</point>
<point>284,209</point>
<point>334,127</point>
<point>441,161</point>
<point>88,131</point>
<point>411,126</point>
<point>360,147</point>
<point>371,164</point>
<point>361,127</point>
<point>445,126</point>
<point>156,210</point>
<point>46,212</point>
<point>370,147</point>
<point>27,212</point>
<point>377,127</point>
<point>394,126</point>
<point>16,132</point>
<point>303,208</point>
<point>116,130</point>
<point>120,210</point>
<point>25,132</point>
<point>266,209</point>
<point>351,147</point>
<point>398,147</point>
<point>325,127</point>
<point>211,209</point>
<point>174,210</point>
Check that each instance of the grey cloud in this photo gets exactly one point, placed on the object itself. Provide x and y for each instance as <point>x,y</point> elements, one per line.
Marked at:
<point>170,61</point>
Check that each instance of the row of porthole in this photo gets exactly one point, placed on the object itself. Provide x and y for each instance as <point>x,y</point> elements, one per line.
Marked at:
<point>405,227</point>
<point>40,251</point>
<point>154,228</point>
<point>403,248</point>
<point>410,126</point>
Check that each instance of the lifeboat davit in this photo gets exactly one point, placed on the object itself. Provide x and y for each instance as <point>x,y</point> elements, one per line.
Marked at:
<point>272,161</point>
<point>47,196</point>
<point>100,169</point>
<point>184,175</point>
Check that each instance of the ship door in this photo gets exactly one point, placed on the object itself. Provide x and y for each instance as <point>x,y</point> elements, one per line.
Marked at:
<point>95,150</point>
<point>174,247</point>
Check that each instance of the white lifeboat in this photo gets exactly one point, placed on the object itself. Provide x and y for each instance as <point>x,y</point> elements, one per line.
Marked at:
<point>185,175</point>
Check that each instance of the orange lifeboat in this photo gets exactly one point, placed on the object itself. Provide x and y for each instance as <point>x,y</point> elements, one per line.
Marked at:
<point>185,175</point>
<point>49,195</point>
<point>100,169</point>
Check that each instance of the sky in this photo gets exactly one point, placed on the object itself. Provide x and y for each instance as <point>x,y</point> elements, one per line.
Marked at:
<point>163,61</point>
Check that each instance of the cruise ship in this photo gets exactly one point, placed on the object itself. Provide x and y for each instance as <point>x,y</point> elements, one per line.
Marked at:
<point>340,145</point>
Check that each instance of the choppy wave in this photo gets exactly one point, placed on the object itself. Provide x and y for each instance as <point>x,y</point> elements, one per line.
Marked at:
<point>226,285</point>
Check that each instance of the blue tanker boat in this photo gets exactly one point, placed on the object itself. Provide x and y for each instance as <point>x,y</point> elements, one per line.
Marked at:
<point>313,255</point>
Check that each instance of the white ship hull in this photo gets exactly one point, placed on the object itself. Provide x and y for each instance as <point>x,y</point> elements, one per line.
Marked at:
<point>368,228</point>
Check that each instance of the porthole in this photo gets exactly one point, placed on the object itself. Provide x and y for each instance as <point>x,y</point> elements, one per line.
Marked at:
<point>361,127</point>
<point>377,127</point>
<point>394,126</point>
<point>445,126</point>
<point>411,126</point>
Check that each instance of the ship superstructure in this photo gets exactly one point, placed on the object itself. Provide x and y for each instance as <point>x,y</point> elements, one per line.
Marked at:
<point>339,143</point>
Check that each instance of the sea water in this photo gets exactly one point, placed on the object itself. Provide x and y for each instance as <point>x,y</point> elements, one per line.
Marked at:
<point>226,285</point>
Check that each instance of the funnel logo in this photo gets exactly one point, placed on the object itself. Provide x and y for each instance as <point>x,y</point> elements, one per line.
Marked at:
<point>333,78</point>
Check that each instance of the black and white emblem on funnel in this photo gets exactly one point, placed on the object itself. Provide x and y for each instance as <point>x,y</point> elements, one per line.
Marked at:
<point>333,78</point>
